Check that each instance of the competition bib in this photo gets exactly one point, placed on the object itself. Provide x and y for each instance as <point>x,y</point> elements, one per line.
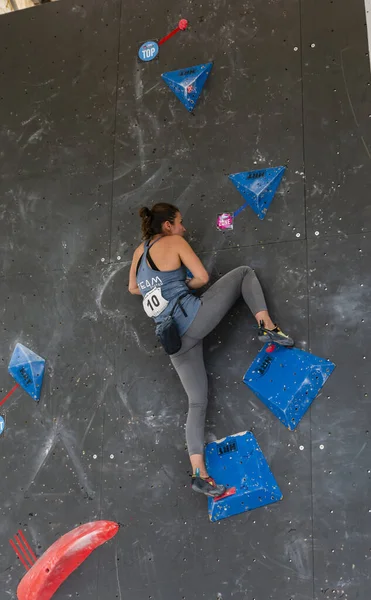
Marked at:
<point>154,303</point>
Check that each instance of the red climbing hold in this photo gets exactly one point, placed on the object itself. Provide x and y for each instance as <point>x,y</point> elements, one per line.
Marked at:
<point>183,24</point>
<point>62,558</point>
<point>228,492</point>
<point>270,348</point>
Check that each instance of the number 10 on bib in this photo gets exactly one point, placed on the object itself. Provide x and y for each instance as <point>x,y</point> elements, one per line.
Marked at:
<point>154,303</point>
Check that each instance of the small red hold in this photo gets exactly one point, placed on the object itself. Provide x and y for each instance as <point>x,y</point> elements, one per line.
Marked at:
<point>270,348</point>
<point>183,24</point>
<point>228,492</point>
<point>190,89</point>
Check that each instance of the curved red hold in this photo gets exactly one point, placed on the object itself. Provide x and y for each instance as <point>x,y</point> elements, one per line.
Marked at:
<point>62,558</point>
<point>183,24</point>
<point>228,492</point>
<point>270,348</point>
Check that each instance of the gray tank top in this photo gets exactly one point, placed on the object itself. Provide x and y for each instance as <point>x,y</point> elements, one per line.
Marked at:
<point>173,285</point>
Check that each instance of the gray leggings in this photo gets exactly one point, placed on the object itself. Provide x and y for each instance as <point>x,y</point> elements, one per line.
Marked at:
<point>189,361</point>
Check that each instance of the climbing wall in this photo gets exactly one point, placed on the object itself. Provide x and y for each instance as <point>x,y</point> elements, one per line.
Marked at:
<point>88,135</point>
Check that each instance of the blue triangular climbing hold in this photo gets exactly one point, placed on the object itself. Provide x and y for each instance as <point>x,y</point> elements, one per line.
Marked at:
<point>187,83</point>
<point>258,188</point>
<point>238,462</point>
<point>287,380</point>
<point>27,368</point>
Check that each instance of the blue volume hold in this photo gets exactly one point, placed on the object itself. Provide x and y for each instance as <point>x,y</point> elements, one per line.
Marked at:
<point>238,462</point>
<point>258,188</point>
<point>27,368</point>
<point>187,84</point>
<point>287,380</point>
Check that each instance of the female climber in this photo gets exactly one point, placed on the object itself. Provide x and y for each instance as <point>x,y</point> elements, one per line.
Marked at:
<point>159,273</point>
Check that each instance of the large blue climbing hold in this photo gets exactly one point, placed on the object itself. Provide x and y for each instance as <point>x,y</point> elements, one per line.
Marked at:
<point>287,380</point>
<point>27,368</point>
<point>238,462</point>
<point>187,84</point>
<point>258,188</point>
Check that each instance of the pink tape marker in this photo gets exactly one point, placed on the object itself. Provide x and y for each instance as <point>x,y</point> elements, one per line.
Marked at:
<point>225,221</point>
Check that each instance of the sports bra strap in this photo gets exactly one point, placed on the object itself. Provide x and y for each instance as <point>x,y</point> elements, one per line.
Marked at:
<point>149,245</point>
<point>149,258</point>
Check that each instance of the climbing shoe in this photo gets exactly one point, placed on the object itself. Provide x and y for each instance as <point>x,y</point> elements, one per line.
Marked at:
<point>206,485</point>
<point>275,336</point>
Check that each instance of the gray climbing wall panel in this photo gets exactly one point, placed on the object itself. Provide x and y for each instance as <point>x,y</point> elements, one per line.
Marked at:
<point>88,135</point>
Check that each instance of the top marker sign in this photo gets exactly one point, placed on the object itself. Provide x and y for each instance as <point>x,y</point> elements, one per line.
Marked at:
<point>149,50</point>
